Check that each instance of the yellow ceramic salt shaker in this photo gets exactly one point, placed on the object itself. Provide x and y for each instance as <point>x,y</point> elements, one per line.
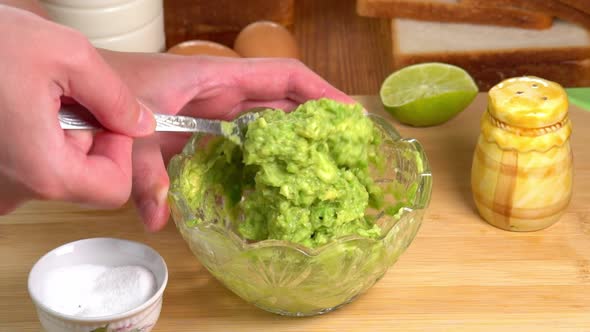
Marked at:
<point>521,177</point>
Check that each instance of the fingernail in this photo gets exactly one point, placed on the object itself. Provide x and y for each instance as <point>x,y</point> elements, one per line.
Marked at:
<point>162,194</point>
<point>146,121</point>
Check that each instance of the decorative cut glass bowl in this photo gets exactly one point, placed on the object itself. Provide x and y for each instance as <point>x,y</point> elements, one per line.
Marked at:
<point>290,279</point>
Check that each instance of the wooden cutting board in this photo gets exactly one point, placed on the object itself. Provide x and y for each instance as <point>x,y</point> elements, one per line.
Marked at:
<point>460,274</point>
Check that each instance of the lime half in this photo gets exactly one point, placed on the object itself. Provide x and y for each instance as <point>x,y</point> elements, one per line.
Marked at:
<point>427,94</point>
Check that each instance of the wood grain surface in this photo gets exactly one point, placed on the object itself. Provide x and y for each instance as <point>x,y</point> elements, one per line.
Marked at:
<point>351,52</point>
<point>460,274</point>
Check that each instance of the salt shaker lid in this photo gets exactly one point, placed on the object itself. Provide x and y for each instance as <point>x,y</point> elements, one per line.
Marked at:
<point>528,102</point>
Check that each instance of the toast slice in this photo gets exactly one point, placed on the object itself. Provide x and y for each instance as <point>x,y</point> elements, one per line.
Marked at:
<point>469,45</point>
<point>581,5</point>
<point>453,11</point>
<point>555,8</point>
<point>219,20</point>
<point>567,73</point>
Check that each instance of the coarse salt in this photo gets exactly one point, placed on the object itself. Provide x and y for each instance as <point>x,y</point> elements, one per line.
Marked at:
<point>95,290</point>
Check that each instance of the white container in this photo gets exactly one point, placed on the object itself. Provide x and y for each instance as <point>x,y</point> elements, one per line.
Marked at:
<point>100,251</point>
<point>149,38</point>
<point>120,25</point>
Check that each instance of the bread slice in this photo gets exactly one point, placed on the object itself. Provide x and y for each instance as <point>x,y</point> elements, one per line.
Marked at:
<point>567,73</point>
<point>453,11</point>
<point>582,5</point>
<point>220,20</point>
<point>549,7</point>
<point>469,45</point>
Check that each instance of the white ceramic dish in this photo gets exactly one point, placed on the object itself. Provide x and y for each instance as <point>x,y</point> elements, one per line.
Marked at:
<point>107,21</point>
<point>150,38</point>
<point>100,251</point>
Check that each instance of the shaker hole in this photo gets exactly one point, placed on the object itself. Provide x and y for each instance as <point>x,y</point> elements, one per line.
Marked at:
<point>535,86</point>
<point>519,92</point>
<point>544,98</point>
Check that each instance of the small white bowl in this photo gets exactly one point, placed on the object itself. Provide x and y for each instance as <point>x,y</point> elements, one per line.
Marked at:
<point>100,251</point>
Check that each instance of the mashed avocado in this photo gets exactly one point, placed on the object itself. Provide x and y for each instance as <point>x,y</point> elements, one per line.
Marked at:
<point>304,175</point>
<point>320,172</point>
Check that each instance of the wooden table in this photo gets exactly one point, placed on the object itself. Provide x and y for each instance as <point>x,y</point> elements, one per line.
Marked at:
<point>351,52</point>
<point>460,274</point>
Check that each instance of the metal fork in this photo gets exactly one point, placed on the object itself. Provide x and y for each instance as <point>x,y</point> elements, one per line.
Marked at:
<point>76,117</point>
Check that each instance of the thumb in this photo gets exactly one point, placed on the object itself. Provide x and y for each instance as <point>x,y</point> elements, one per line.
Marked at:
<point>150,183</point>
<point>95,85</point>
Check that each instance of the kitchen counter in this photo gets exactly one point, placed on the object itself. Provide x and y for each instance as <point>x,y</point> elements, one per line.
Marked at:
<point>460,274</point>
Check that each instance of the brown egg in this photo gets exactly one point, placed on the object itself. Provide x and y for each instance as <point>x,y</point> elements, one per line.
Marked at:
<point>202,47</point>
<point>265,39</point>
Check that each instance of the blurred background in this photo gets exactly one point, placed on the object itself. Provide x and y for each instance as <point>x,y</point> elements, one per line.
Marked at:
<point>354,44</point>
<point>351,52</point>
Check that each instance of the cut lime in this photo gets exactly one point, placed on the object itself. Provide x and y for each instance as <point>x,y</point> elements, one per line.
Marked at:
<point>427,94</point>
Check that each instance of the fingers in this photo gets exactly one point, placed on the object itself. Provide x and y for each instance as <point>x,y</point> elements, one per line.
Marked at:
<point>150,183</point>
<point>81,139</point>
<point>100,172</point>
<point>264,79</point>
<point>247,83</point>
<point>28,5</point>
<point>304,84</point>
<point>286,105</point>
<point>172,144</point>
<point>94,84</point>
<point>38,159</point>
<point>6,207</point>
<point>211,109</point>
<point>103,177</point>
<point>11,195</point>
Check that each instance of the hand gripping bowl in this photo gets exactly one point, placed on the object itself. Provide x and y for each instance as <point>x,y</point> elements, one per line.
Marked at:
<point>290,279</point>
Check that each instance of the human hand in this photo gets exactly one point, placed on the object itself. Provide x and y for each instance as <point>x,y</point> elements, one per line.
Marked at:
<point>41,63</point>
<point>205,87</point>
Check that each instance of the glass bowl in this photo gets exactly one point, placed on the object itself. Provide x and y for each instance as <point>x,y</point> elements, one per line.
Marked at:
<point>290,279</point>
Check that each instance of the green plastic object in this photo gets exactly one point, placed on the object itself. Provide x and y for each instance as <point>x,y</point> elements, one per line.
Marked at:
<point>580,97</point>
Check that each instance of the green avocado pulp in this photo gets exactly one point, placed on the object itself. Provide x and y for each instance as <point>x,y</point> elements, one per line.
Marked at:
<point>304,176</point>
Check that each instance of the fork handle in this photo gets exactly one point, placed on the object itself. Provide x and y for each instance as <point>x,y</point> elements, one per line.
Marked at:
<point>76,117</point>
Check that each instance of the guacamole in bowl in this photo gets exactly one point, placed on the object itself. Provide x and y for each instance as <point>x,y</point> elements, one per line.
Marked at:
<point>308,212</point>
